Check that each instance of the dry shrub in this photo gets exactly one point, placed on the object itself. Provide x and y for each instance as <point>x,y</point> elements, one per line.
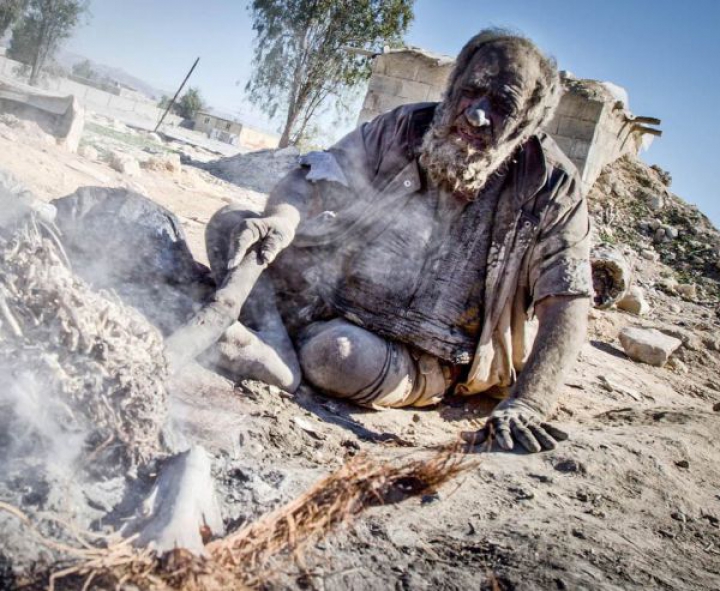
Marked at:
<point>243,559</point>
<point>97,363</point>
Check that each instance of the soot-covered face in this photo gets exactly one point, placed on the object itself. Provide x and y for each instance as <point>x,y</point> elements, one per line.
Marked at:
<point>492,97</point>
<point>487,113</point>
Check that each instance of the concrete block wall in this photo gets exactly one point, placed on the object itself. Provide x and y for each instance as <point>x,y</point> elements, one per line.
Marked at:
<point>129,110</point>
<point>403,77</point>
<point>574,129</point>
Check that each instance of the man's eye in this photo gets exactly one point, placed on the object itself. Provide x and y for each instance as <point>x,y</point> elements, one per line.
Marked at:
<point>473,91</point>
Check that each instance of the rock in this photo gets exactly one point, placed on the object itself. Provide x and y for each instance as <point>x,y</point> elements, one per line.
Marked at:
<point>649,254</point>
<point>309,428</point>
<point>88,152</point>
<point>611,275</point>
<point>668,285</point>
<point>684,464</point>
<point>634,301</point>
<point>124,164</point>
<point>687,291</point>
<point>716,407</point>
<point>674,308</point>
<point>689,339</point>
<point>166,163</point>
<point>570,466</point>
<point>677,365</point>
<point>648,345</point>
<point>119,126</point>
<point>154,137</point>
<point>711,343</point>
<point>654,202</point>
<point>670,232</point>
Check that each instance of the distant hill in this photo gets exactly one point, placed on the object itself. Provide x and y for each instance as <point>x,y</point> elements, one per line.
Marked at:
<point>68,59</point>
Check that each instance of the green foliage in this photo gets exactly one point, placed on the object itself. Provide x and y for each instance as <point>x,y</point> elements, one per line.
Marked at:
<point>190,103</point>
<point>85,70</point>
<point>10,12</point>
<point>301,55</point>
<point>39,33</point>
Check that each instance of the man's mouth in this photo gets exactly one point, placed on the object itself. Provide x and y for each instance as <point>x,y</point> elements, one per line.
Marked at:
<point>479,142</point>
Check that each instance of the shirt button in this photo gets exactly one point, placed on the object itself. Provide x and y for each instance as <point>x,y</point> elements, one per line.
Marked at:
<point>407,184</point>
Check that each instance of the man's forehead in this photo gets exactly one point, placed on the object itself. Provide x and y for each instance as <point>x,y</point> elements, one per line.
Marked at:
<point>503,64</point>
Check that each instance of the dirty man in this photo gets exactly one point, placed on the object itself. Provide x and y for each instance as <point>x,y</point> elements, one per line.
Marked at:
<point>440,248</point>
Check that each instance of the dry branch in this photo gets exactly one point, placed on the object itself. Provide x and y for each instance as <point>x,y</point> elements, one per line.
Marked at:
<point>241,560</point>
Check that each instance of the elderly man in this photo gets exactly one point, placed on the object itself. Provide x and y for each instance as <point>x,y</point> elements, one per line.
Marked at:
<point>410,259</point>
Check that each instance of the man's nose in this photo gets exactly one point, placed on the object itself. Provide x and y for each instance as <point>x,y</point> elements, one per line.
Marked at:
<point>477,113</point>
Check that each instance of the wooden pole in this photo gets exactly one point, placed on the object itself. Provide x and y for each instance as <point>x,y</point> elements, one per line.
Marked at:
<point>179,90</point>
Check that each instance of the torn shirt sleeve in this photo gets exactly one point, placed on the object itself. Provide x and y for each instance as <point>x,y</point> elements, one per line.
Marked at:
<point>323,166</point>
<point>560,261</point>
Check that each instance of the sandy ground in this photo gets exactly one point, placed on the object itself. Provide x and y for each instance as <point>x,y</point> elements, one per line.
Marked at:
<point>631,501</point>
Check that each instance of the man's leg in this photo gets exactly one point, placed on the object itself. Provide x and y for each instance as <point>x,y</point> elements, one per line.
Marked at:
<point>345,361</point>
<point>258,347</point>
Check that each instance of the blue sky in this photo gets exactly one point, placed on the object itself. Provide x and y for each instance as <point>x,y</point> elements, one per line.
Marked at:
<point>664,52</point>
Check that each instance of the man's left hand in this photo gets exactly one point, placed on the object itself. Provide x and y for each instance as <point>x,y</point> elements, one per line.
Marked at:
<point>514,421</point>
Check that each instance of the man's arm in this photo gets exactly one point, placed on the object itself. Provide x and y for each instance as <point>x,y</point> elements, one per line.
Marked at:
<point>520,418</point>
<point>286,207</point>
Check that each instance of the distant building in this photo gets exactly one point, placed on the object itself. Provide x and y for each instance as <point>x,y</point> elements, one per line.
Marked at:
<point>225,128</point>
<point>593,124</point>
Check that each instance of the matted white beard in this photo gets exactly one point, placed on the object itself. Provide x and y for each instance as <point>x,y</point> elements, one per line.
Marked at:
<point>457,166</point>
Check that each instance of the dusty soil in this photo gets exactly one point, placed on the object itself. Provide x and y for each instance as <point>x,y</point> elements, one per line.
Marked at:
<point>631,501</point>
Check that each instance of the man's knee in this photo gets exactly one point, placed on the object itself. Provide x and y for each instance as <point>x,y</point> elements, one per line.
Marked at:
<point>342,359</point>
<point>346,361</point>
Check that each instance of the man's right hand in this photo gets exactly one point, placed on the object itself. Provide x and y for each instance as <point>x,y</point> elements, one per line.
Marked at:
<point>273,233</point>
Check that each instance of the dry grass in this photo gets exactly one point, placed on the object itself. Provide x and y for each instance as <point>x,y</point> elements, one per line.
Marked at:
<point>247,558</point>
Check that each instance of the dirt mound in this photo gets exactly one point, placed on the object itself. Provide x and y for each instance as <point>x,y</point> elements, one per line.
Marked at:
<point>259,171</point>
<point>633,207</point>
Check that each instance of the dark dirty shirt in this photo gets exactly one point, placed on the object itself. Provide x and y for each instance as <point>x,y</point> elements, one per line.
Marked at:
<point>364,252</point>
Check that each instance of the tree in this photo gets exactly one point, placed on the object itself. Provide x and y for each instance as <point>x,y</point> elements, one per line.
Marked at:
<point>38,35</point>
<point>85,70</point>
<point>10,12</point>
<point>301,56</point>
<point>190,103</point>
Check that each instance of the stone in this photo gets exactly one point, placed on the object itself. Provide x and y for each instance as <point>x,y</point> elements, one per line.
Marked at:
<point>165,163</point>
<point>677,366</point>
<point>648,345</point>
<point>654,202</point>
<point>711,343</point>
<point>687,291</point>
<point>668,285</point>
<point>124,164</point>
<point>689,339</point>
<point>671,232</point>
<point>88,152</point>
<point>570,466</point>
<point>634,301</point>
<point>649,254</point>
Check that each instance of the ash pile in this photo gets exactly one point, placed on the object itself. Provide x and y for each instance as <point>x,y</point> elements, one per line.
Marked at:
<point>83,399</point>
